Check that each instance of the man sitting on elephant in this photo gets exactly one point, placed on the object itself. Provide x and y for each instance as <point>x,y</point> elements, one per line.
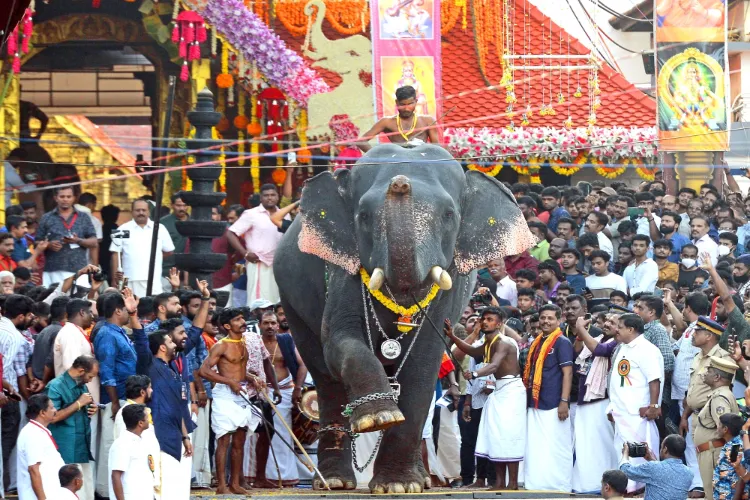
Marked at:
<point>406,126</point>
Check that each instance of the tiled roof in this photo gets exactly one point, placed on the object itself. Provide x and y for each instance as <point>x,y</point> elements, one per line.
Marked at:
<point>622,103</point>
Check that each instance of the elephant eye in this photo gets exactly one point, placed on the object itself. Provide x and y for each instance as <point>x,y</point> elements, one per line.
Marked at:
<point>363,216</point>
<point>448,214</point>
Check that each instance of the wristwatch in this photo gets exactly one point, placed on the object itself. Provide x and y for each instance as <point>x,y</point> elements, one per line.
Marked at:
<point>474,375</point>
<point>743,432</point>
<point>655,406</point>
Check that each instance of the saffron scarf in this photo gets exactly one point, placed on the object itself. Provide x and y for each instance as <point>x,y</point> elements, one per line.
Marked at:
<point>209,340</point>
<point>544,349</point>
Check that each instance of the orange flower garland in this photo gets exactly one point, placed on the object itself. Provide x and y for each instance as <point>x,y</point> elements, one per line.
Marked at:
<point>609,172</point>
<point>241,122</point>
<point>491,170</point>
<point>644,172</point>
<point>566,170</point>
<point>224,80</point>
<point>521,168</point>
<point>348,17</point>
<point>450,11</point>
<point>291,14</point>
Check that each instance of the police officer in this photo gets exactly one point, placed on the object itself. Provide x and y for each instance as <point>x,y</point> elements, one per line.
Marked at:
<point>718,376</point>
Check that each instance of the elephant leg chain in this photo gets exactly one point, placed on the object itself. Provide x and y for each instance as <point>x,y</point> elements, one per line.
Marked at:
<point>353,439</point>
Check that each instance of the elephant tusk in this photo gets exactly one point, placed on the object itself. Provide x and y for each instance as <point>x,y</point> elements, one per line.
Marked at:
<point>376,279</point>
<point>441,278</point>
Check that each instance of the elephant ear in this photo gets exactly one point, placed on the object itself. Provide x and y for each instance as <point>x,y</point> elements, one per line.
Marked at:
<point>327,222</point>
<point>492,225</point>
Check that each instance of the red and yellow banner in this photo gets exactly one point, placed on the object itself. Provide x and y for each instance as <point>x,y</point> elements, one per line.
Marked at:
<point>692,79</point>
<point>406,51</point>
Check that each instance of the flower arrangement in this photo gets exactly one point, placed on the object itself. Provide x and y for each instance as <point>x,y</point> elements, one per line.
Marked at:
<point>645,172</point>
<point>608,172</point>
<point>491,170</point>
<point>563,168</point>
<point>281,66</point>
<point>546,143</point>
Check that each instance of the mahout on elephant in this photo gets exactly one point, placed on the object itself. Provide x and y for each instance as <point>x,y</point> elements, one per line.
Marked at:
<point>403,224</point>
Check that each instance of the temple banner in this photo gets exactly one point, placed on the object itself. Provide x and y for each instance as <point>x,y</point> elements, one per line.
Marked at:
<point>406,51</point>
<point>692,83</point>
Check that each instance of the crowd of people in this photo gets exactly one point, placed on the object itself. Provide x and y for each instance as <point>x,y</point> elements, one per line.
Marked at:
<point>611,357</point>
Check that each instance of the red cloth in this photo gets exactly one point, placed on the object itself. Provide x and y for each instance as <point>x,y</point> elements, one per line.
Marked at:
<point>7,264</point>
<point>543,216</point>
<point>446,366</point>
<point>525,261</point>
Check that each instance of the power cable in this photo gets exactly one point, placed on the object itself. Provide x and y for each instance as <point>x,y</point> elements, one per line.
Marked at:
<point>593,45</point>
<point>602,32</point>
<point>613,12</point>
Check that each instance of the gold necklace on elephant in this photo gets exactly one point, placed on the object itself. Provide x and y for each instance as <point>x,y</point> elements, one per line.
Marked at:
<point>405,315</point>
<point>405,135</point>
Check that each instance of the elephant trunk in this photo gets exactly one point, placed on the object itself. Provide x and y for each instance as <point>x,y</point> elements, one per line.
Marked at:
<point>317,39</point>
<point>403,268</point>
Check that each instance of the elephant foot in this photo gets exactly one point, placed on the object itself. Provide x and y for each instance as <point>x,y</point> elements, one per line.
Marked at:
<point>399,481</point>
<point>376,416</point>
<point>335,483</point>
<point>335,464</point>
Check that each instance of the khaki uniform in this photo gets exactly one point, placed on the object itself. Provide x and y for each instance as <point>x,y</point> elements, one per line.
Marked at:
<point>720,402</point>
<point>698,391</point>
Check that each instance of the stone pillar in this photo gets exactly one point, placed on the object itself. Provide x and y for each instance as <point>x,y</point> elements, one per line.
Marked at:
<point>201,263</point>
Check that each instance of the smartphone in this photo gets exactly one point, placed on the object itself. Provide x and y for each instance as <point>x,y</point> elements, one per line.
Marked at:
<point>635,211</point>
<point>587,316</point>
<point>734,453</point>
<point>291,157</point>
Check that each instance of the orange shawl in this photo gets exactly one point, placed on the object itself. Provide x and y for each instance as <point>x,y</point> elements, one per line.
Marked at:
<point>209,340</point>
<point>546,347</point>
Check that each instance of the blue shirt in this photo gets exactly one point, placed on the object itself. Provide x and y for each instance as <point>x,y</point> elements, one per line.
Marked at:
<point>678,241</point>
<point>195,359</point>
<point>560,355</point>
<point>117,359</point>
<point>577,282</point>
<point>182,363</point>
<point>669,479</point>
<point>169,407</point>
<point>20,250</point>
<point>555,216</point>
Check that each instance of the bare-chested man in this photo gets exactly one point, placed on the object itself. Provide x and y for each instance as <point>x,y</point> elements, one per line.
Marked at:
<point>406,125</point>
<point>290,373</point>
<point>232,413</point>
<point>506,406</point>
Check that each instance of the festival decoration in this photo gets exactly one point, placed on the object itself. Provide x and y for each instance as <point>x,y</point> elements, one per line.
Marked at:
<point>188,33</point>
<point>224,80</point>
<point>278,176</point>
<point>18,41</point>
<point>498,144</point>
<point>248,34</point>
<point>562,168</point>
<point>491,170</point>
<point>606,171</point>
<point>644,171</point>
<point>304,155</point>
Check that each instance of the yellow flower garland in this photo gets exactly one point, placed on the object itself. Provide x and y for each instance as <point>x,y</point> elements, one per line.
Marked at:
<point>491,170</point>
<point>566,170</point>
<point>389,304</point>
<point>535,165</point>
<point>609,172</point>
<point>520,168</point>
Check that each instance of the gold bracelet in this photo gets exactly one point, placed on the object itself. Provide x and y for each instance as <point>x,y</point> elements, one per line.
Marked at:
<point>79,405</point>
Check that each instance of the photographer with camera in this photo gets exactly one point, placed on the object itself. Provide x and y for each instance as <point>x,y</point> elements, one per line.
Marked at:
<point>666,477</point>
<point>132,243</point>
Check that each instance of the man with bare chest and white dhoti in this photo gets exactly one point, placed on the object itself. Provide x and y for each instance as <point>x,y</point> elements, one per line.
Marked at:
<point>502,431</point>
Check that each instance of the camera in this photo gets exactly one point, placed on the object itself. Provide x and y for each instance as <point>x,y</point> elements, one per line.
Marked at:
<point>479,301</point>
<point>637,450</point>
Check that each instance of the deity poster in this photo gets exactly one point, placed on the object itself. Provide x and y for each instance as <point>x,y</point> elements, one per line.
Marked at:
<point>406,51</point>
<point>692,80</point>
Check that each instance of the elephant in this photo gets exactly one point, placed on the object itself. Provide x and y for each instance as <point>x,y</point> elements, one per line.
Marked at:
<point>410,217</point>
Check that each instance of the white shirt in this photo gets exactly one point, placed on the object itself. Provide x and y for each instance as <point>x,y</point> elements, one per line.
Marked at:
<point>604,285</point>
<point>684,228</point>
<point>605,243</point>
<point>641,277</point>
<point>136,251</point>
<point>643,226</point>
<point>707,244</point>
<point>128,454</point>
<point>66,494</point>
<point>645,364</point>
<point>35,446</point>
<point>506,289</point>
<point>69,344</point>
<point>682,363</point>
<point>10,343</point>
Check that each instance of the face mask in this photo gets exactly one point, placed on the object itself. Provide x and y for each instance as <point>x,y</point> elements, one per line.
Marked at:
<point>724,250</point>
<point>688,263</point>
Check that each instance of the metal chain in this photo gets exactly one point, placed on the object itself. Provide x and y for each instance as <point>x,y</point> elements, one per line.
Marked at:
<point>367,319</point>
<point>369,398</point>
<point>372,456</point>
<point>377,321</point>
<point>335,428</point>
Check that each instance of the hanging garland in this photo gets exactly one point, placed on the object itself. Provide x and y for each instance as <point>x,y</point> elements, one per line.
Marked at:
<point>644,172</point>
<point>348,17</point>
<point>303,155</point>
<point>224,80</point>
<point>566,170</point>
<point>607,171</point>
<point>491,170</point>
<point>450,11</point>
<point>291,14</point>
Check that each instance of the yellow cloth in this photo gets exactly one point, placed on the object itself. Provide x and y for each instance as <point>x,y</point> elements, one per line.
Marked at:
<point>546,346</point>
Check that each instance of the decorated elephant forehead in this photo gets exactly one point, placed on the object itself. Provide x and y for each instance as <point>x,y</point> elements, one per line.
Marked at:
<point>488,238</point>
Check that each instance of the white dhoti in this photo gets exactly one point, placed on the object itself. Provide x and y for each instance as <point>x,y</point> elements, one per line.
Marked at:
<point>691,457</point>
<point>231,412</point>
<point>549,451</point>
<point>634,429</point>
<point>593,431</point>
<point>502,430</point>
<point>49,277</point>
<point>87,490</point>
<point>140,287</point>
<point>201,456</point>
<point>261,283</point>
<point>175,476</point>
<point>449,444</point>
<point>286,458</point>
<point>106,438</point>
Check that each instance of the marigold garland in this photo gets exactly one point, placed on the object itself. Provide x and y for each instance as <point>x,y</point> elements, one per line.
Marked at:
<point>644,171</point>
<point>608,172</point>
<point>491,170</point>
<point>566,170</point>
<point>348,17</point>
<point>304,155</point>
<point>292,16</point>
<point>393,306</point>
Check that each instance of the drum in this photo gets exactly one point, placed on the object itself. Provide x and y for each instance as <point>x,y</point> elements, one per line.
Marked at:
<point>306,417</point>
